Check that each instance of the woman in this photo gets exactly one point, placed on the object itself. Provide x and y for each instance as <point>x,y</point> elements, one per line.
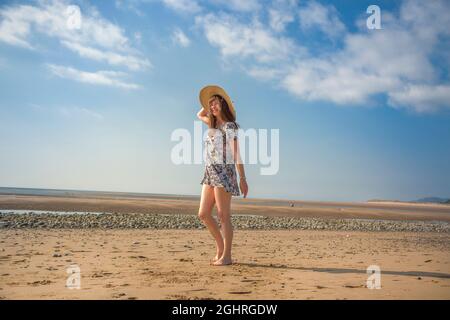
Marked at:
<point>219,182</point>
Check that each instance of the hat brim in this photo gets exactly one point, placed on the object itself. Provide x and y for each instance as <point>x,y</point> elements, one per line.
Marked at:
<point>208,91</point>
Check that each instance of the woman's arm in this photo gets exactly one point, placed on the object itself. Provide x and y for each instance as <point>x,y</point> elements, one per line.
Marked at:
<point>203,115</point>
<point>240,166</point>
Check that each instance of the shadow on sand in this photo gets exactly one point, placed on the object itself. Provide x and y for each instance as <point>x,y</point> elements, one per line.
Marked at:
<point>343,270</point>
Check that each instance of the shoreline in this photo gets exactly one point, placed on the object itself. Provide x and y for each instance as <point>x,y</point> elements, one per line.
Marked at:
<point>74,193</point>
<point>325,210</point>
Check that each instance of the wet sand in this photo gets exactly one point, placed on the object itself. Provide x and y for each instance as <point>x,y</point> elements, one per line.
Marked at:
<point>269,264</point>
<point>189,205</point>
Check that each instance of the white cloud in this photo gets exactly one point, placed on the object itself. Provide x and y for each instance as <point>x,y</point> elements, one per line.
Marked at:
<point>397,62</point>
<point>180,38</point>
<point>131,5</point>
<point>235,39</point>
<point>325,18</point>
<point>49,18</point>
<point>188,6</point>
<point>19,23</point>
<point>239,5</point>
<point>279,19</point>
<point>111,57</point>
<point>422,98</point>
<point>105,78</point>
<point>13,29</point>
<point>281,13</point>
<point>264,73</point>
<point>80,111</point>
<point>319,79</point>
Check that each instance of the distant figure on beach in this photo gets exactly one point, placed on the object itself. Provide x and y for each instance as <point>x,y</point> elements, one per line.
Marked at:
<point>222,156</point>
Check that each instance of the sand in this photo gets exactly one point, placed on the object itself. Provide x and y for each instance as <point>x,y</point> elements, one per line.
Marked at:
<point>168,205</point>
<point>269,264</point>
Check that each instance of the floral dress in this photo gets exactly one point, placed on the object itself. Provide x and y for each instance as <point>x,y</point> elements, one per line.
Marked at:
<point>220,169</point>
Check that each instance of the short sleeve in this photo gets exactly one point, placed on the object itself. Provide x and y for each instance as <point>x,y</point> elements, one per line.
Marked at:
<point>231,130</point>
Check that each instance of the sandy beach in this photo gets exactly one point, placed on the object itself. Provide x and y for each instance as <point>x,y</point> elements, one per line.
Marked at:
<point>135,247</point>
<point>174,264</point>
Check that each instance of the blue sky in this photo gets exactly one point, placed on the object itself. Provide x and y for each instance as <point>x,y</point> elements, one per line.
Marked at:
<point>362,113</point>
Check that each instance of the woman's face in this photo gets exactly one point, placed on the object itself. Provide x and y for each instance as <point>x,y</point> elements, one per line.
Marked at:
<point>215,107</point>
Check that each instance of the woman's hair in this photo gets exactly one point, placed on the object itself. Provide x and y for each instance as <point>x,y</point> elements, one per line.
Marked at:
<point>225,111</point>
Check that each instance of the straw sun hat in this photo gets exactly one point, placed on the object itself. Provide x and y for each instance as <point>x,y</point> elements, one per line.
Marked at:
<point>208,91</point>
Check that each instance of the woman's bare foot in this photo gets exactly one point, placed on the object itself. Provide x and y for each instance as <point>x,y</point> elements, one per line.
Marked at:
<point>214,260</point>
<point>222,262</point>
<point>218,255</point>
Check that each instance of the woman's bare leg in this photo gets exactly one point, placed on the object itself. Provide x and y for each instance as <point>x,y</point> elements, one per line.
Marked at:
<point>207,201</point>
<point>223,202</point>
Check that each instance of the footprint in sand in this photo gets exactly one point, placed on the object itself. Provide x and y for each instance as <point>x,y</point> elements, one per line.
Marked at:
<point>37,283</point>
<point>139,257</point>
<point>353,286</point>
